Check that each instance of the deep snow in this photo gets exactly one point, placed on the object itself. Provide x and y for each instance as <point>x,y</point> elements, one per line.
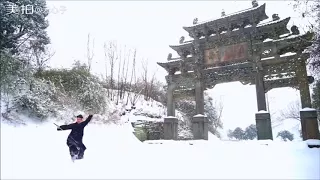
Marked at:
<point>39,151</point>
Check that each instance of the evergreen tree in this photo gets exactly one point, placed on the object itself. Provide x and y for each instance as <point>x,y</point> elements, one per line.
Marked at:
<point>251,132</point>
<point>285,135</point>
<point>20,28</point>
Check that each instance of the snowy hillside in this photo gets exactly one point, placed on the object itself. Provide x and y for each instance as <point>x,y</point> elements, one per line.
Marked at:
<point>150,110</point>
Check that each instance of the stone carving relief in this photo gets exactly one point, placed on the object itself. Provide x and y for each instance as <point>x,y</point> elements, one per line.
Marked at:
<point>295,30</point>
<point>266,52</point>
<point>223,13</point>
<point>275,17</point>
<point>195,21</point>
<point>181,40</point>
<point>254,3</point>
<point>169,56</point>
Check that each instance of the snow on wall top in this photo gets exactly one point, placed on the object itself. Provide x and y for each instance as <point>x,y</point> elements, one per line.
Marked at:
<point>262,112</point>
<point>313,142</point>
<point>199,115</point>
<point>308,109</point>
<point>170,117</point>
<point>272,22</point>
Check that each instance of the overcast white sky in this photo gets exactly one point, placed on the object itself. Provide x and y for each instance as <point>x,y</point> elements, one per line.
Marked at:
<point>150,27</point>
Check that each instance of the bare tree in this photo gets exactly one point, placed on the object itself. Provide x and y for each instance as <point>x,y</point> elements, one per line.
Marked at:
<point>42,58</point>
<point>144,75</point>
<point>118,86</point>
<point>126,77</point>
<point>111,51</point>
<point>219,108</point>
<point>151,85</point>
<point>136,95</point>
<point>105,47</point>
<point>90,54</point>
<point>133,75</point>
<point>122,90</point>
<point>292,111</point>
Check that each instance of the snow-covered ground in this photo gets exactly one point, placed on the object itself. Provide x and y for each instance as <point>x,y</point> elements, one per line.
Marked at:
<point>39,151</point>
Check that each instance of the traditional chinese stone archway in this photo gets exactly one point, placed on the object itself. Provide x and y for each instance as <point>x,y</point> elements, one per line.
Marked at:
<point>238,47</point>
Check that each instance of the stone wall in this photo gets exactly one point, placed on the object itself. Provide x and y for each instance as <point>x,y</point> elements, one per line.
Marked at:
<point>153,130</point>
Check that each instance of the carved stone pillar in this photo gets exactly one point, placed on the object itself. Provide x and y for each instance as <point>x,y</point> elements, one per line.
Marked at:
<point>200,127</point>
<point>308,117</point>
<point>199,121</point>
<point>199,97</point>
<point>170,100</point>
<point>170,126</point>
<point>263,122</point>
<point>260,91</point>
<point>309,124</point>
<point>303,84</point>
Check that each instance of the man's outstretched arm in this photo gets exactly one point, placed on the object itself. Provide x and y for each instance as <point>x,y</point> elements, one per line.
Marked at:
<point>64,127</point>
<point>87,120</point>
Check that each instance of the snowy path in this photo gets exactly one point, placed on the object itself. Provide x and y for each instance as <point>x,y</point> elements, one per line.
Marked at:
<point>113,152</point>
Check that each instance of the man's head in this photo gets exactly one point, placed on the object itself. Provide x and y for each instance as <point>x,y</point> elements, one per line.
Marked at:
<point>79,118</point>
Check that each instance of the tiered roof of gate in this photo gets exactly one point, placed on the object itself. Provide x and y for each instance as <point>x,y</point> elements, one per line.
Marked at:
<point>231,21</point>
<point>246,26</point>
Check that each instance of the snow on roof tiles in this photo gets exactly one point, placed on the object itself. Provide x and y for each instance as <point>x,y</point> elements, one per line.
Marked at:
<point>229,15</point>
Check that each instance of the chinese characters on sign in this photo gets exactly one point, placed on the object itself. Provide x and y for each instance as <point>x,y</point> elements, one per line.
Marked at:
<point>12,8</point>
<point>237,52</point>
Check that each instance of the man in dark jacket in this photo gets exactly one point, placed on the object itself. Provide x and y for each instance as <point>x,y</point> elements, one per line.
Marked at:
<point>74,141</point>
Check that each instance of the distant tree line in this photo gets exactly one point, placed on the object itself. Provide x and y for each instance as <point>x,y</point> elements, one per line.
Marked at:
<point>238,133</point>
<point>250,133</point>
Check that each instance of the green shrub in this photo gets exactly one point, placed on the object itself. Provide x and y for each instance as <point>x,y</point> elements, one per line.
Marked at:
<point>40,100</point>
<point>79,85</point>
